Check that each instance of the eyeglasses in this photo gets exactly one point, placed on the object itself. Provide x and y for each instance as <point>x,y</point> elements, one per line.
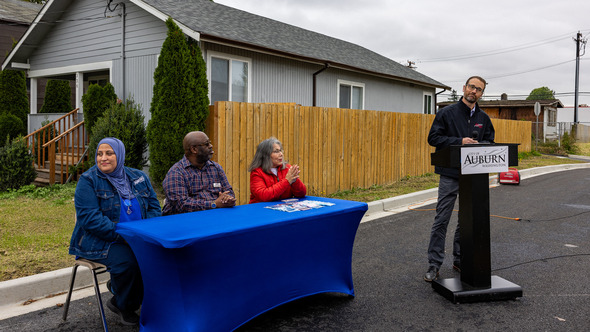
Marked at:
<point>277,151</point>
<point>473,87</point>
<point>204,144</point>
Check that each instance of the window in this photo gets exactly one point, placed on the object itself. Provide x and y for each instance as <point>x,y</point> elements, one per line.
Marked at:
<point>229,78</point>
<point>428,109</point>
<point>552,117</point>
<point>351,95</point>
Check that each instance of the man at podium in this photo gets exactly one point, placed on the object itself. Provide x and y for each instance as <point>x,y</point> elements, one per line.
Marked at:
<point>457,124</point>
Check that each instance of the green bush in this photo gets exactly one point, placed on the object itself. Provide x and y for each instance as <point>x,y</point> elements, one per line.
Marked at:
<point>125,122</point>
<point>13,96</point>
<point>178,105</point>
<point>11,126</point>
<point>16,165</point>
<point>58,96</point>
<point>568,142</point>
<point>95,101</point>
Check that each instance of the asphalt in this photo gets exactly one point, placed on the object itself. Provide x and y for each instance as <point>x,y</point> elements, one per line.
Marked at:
<point>546,252</point>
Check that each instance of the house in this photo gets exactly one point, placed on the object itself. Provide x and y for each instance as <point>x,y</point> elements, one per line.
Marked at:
<point>249,58</point>
<point>522,110</point>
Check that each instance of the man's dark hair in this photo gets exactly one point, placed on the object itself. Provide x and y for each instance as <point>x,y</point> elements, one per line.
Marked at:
<point>479,78</point>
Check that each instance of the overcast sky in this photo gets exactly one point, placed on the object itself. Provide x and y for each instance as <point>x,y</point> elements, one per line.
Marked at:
<point>516,45</point>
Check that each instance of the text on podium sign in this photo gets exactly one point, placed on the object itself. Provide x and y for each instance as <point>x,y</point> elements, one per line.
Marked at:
<point>484,159</point>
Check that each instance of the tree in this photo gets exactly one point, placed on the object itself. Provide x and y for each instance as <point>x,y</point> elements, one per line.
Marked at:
<point>16,165</point>
<point>176,107</point>
<point>95,101</point>
<point>453,96</point>
<point>13,96</point>
<point>202,87</point>
<point>541,93</point>
<point>58,95</point>
<point>11,126</point>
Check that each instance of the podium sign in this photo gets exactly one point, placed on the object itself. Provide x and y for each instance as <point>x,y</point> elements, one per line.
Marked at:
<point>484,159</point>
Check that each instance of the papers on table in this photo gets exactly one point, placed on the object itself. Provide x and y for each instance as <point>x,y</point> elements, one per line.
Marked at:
<point>293,205</point>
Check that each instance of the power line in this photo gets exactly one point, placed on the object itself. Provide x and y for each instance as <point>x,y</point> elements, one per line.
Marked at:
<point>498,51</point>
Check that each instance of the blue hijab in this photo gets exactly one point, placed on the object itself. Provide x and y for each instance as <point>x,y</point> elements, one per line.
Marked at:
<point>117,178</point>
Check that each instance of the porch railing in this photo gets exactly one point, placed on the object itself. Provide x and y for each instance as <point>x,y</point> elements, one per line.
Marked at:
<point>58,145</point>
<point>67,150</point>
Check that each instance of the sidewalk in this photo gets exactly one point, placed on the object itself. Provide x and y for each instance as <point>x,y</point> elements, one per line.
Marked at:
<point>33,293</point>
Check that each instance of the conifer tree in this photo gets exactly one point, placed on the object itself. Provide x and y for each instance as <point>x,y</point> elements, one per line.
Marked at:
<point>58,96</point>
<point>176,107</point>
<point>13,96</point>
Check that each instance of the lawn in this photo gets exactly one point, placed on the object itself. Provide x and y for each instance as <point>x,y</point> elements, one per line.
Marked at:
<point>36,223</point>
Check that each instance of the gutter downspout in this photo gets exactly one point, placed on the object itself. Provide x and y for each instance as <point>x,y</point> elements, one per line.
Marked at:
<point>123,14</point>
<point>314,95</point>
<point>436,98</point>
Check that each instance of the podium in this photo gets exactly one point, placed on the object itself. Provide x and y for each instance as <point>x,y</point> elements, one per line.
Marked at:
<point>475,162</point>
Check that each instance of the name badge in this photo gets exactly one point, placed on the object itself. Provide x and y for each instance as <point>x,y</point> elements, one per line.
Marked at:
<point>140,180</point>
<point>216,185</point>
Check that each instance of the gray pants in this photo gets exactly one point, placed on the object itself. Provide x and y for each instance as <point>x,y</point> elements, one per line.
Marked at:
<point>448,188</point>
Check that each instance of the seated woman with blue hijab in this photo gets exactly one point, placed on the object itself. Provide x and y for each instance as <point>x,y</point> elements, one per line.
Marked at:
<point>106,194</point>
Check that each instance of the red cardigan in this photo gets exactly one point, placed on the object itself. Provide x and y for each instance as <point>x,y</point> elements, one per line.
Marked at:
<point>268,187</point>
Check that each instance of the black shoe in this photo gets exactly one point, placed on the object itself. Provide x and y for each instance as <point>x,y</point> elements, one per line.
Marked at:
<point>129,318</point>
<point>431,274</point>
<point>457,266</point>
<point>109,286</point>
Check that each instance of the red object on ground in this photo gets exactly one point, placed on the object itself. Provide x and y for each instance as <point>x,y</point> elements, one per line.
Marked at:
<point>510,177</point>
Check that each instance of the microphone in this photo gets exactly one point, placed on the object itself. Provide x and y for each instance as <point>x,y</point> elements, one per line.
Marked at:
<point>475,135</point>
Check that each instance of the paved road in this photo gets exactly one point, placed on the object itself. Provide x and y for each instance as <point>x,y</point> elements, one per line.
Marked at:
<point>547,256</point>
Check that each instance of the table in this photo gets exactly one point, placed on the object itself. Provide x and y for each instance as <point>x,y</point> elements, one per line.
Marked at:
<point>215,270</point>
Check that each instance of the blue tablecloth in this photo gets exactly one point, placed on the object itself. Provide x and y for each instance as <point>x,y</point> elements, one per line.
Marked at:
<point>215,270</point>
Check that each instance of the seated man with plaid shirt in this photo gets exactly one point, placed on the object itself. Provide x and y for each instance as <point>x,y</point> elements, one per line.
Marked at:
<point>195,182</point>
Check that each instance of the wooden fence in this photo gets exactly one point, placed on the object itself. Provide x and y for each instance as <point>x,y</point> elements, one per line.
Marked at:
<point>336,149</point>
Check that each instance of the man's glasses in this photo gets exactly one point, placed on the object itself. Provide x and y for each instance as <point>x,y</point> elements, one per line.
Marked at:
<point>473,87</point>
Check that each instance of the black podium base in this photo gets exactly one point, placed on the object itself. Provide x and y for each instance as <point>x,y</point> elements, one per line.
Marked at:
<point>458,292</point>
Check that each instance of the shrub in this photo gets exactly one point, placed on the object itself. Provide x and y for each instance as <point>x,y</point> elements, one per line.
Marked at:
<point>568,142</point>
<point>11,126</point>
<point>95,101</point>
<point>125,122</point>
<point>57,97</point>
<point>176,108</point>
<point>13,96</point>
<point>16,165</point>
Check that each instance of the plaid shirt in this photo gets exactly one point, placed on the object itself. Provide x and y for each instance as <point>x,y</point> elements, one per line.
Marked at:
<point>191,189</point>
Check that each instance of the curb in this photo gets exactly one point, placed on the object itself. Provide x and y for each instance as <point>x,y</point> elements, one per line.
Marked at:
<point>43,285</point>
<point>16,292</point>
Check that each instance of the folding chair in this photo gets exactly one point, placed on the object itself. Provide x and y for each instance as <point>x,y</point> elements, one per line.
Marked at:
<point>95,268</point>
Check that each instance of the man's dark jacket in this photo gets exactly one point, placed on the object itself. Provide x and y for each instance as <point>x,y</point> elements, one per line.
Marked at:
<point>452,124</point>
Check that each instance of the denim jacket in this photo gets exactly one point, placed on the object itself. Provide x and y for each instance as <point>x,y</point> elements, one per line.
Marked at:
<point>97,210</point>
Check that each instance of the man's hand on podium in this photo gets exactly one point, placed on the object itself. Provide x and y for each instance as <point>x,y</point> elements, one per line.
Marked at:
<point>469,140</point>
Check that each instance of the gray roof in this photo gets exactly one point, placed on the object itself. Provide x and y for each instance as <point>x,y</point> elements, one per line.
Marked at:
<point>18,11</point>
<point>218,21</point>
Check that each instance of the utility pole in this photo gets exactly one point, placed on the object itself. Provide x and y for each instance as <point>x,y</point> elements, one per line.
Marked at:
<point>579,42</point>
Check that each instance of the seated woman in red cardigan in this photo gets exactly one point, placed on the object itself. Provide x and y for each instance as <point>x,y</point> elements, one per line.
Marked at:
<point>271,178</point>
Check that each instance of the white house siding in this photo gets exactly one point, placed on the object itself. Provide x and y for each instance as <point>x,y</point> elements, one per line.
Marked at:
<point>380,94</point>
<point>139,73</point>
<point>279,79</point>
<point>83,36</point>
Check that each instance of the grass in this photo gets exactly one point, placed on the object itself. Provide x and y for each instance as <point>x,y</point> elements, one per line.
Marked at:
<point>36,223</point>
